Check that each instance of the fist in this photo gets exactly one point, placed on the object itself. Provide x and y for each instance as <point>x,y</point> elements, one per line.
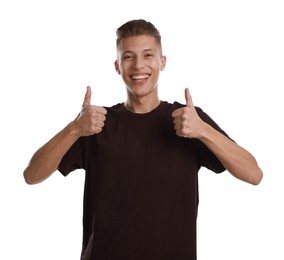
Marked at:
<point>187,123</point>
<point>91,118</point>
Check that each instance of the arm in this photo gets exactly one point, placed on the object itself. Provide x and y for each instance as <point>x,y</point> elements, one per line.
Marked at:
<point>46,160</point>
<point>238,161</point>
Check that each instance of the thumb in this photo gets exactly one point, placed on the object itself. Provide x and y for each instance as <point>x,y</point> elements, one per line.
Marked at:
<point>188,98</point>
<point>88,95</point>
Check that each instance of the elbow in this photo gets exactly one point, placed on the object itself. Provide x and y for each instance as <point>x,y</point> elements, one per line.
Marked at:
<point>253,177</point>
<point>257,177</point>
<point>34,178</point>
<point>28,178</point>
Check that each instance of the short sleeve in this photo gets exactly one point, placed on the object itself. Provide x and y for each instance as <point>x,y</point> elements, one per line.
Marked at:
<point>74,158</point>
<point>207,157</point>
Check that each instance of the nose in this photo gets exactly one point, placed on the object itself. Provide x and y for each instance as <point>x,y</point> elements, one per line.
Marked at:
<point>138,63</point>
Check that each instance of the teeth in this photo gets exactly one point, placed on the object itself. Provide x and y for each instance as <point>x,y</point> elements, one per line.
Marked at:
<point>140,77</point>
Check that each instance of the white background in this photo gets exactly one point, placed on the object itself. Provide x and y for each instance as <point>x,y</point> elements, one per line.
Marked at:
<point>229,53</point>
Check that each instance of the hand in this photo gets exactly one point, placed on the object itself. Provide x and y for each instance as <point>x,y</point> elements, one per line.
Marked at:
<point>186,120</point>
<point>91,118</point>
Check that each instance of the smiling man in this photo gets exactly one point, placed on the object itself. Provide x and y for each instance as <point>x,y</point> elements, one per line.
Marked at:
<point>141,159</point>
<point>140,61</point>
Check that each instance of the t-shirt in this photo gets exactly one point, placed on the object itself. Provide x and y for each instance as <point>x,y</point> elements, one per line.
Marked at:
<point>141,186</point>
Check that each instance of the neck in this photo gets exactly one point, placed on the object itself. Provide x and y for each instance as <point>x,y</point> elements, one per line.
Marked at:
<point>142,105</point>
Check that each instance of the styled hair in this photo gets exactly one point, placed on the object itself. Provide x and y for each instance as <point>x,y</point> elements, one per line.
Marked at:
<point>137,28</point>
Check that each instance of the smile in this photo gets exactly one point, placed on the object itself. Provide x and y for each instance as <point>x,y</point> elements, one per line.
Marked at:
<point>145,76</point>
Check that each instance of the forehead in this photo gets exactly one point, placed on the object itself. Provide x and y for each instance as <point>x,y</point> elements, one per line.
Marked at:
<point>138,43</point>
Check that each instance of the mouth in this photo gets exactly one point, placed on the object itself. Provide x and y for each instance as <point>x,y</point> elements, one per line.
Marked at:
<point>140,77</point>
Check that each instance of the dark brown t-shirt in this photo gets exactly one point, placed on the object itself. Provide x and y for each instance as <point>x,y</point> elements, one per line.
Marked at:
<point>141,186</point>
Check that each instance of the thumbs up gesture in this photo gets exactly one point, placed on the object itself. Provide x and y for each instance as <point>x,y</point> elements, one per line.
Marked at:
<point>91,118</point>
<point>187,123</point>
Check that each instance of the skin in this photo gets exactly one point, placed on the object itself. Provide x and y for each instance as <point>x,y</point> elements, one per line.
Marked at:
<point>140,62</point>
<point>46,160</point>
<point>237,160</point>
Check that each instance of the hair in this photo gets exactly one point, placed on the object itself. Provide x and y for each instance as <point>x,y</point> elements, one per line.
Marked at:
<point>137,28</point>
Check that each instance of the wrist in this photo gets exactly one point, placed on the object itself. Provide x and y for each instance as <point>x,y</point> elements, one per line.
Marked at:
<point>72,130</point>
<point>205,132</point>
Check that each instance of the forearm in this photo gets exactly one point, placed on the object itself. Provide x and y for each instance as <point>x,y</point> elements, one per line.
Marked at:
<point>238,161</point>
<point>46,160</point>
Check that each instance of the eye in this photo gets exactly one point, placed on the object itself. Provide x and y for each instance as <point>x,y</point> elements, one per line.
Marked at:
<point>128,57</point>
<point>148,55</point>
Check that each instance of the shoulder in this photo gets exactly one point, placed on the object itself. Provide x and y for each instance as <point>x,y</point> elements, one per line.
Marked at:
<point>176,105</point>
<point>115,111</point>
<point>201,113</point>
<point>171,106</point>
<point>115,108</point>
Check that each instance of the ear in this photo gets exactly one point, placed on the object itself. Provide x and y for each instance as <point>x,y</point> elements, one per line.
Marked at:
<point>116,65</point>
<point>164,61</point>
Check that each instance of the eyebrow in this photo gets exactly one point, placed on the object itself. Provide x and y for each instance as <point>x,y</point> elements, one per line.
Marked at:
<point>146,50</point>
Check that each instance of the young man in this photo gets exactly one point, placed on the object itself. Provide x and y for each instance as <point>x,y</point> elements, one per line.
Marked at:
<point>141,160</point>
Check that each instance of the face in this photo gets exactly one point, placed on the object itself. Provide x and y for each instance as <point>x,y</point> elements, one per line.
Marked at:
<point>139,62</point>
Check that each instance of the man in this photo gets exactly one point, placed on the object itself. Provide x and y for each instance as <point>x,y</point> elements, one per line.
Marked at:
<point>141,160</point>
